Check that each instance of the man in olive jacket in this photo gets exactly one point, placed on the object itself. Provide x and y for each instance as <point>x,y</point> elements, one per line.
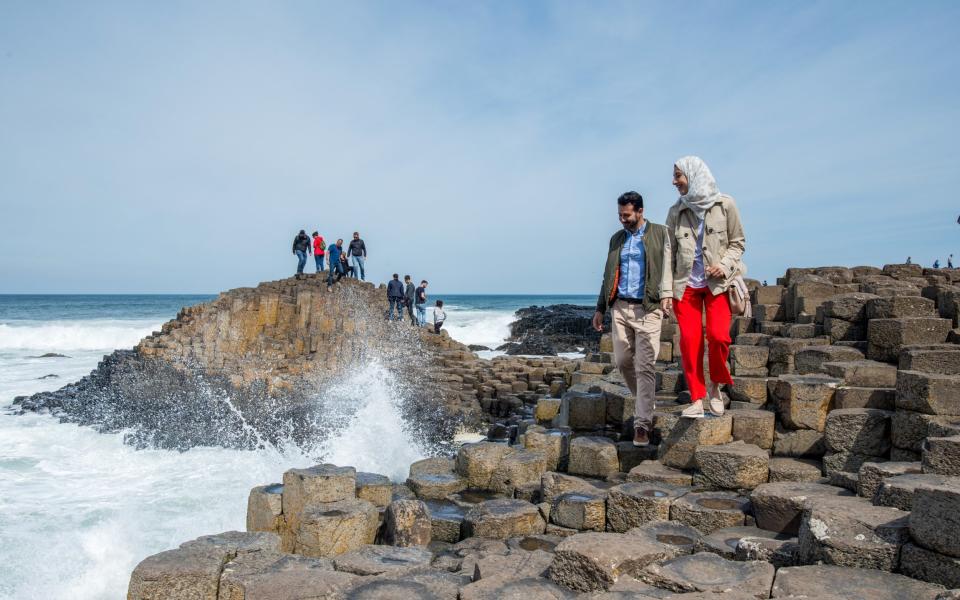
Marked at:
<point>637,287</point>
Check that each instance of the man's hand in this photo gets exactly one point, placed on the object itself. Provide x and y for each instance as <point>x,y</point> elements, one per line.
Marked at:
<point>598,321</point>
<point>716,271</point>
<point>665,305</point>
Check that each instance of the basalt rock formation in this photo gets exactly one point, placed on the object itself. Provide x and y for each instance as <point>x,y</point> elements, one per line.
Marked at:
<point>251,366</point>
<point>834,474</point>
<point>547,330</point>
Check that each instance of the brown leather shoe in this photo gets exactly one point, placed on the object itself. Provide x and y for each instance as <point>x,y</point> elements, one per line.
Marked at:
<point>640,437</point>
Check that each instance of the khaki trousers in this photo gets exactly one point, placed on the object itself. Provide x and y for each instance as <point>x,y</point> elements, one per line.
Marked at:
<point>636,343</point>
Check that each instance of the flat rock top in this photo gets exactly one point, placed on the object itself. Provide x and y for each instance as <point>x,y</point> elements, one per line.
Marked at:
<point>823,581</point>
<point>235,541</point>
<point>609,548</point>
<point>706,571</point>
<point>324,470</point>
<point>924,480</point>
<point>722,501</point>
<point>655,467</point>
<point>751,413</point>
<point>502,507</point>
<point>730,536</point>
<point>375,560</point>
<point>592,442</point>
<point>645,489</point>
<point>364,478</point>
<point>861,363</point>
<point>857,509</point>
<point>499,588</point>
<point>432,466</point>
<point>429,583</point>
<point>812,379</point>
<point>797,490</point>
<point>738,448</point>
<point>671,533</point>
<point>893,467</point>
<point>876,412</point>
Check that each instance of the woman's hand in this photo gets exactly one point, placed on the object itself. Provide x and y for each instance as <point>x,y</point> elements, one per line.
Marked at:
<point>665,304</point>
<point>715,271</point>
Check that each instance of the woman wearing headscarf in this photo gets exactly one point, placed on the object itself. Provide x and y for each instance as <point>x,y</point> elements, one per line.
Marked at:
<point>708,242</point>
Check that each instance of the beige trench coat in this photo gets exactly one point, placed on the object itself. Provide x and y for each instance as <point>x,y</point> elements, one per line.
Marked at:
<point>723,243</point>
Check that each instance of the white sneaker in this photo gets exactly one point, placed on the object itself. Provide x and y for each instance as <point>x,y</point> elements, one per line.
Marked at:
<point>716,401</point>
<point>694,411</point>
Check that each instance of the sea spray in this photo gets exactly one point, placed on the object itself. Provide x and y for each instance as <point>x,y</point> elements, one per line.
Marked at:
<point>74,492</point>
<point>371,433</point>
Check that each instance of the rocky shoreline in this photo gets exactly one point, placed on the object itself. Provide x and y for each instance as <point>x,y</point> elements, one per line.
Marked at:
<point>549,330</point>
<point>248,368</point>
<point>835,474</point>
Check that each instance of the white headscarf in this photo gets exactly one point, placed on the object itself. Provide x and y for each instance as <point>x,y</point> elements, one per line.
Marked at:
<point>702,192</point>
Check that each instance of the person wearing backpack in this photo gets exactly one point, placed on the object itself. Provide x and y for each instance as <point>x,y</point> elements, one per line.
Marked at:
<point>708,242</point>
<point>319,248</point>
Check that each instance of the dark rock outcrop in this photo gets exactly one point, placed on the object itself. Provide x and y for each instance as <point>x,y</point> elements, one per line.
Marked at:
<point>560,327</point>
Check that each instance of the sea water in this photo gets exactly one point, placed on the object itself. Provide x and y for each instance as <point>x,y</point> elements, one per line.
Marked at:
<point>79,509</point>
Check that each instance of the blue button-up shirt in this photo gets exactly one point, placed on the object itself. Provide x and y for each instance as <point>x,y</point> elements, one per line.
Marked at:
<point>633,265</point>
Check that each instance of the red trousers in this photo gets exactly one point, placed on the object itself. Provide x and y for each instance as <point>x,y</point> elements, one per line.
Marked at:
<point>689,311</point>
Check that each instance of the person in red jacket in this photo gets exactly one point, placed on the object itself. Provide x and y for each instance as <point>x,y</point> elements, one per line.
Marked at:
<point>319,250</point>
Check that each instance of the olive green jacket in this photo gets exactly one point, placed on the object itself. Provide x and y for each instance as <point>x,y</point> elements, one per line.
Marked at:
<point>659,270</point>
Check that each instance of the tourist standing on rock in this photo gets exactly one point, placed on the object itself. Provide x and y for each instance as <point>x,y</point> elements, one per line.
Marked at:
<point>950,262</point>
<point>358,253</point>
<point>301,245</point>
<point>708,242</point>
<point>409,294</point>
<point>395,297</point>
<point>319,249</point>
<point>637,288</point>
<point>439,316</point>
<point>420,302</point>
<point>336,266</point>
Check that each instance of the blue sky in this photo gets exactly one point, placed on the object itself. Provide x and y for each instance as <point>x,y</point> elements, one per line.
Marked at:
<point>179,146</point>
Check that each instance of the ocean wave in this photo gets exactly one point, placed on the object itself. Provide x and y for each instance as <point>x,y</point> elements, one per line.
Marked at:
<point>74,335</point>
<point>485,327</point>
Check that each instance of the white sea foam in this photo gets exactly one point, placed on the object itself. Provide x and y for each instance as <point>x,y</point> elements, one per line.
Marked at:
<point>372,436</point>
<point>69,491</point>
<point>74,335</point>
<point>485,327</point>
<point>79,509</point>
